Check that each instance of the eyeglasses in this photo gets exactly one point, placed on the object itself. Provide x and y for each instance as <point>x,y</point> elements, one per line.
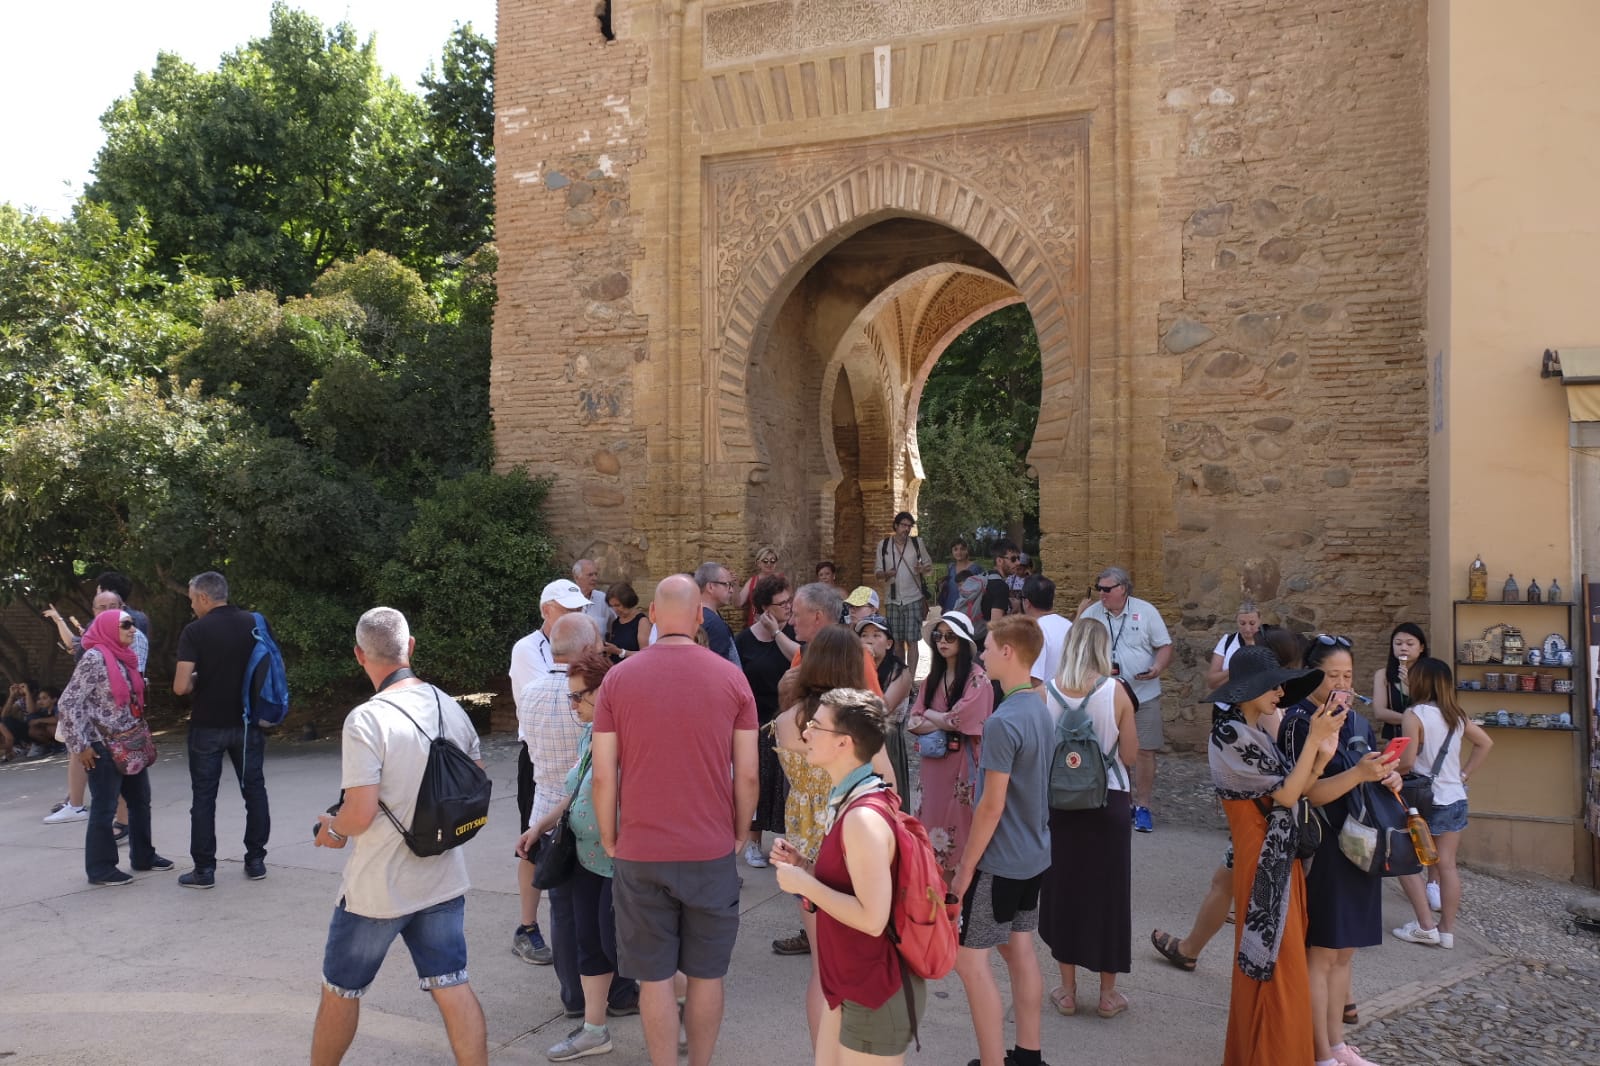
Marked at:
<point>575,698</point>
<point>813,727</point>
<point>1333,641</point>
<point>728,584</point>
<point>124,625</point>
<point>781,603</point>
<point>1103,589</point>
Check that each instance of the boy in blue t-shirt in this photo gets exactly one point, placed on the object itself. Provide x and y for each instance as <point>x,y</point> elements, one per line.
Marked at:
<point>1008,849</point>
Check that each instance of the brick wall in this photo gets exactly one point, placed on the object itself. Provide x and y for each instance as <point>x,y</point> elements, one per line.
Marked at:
<point>1291,371</point>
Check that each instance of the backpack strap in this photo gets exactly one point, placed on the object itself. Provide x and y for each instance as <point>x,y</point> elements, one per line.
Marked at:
<point>1233,638</point>
<point>382,806</point>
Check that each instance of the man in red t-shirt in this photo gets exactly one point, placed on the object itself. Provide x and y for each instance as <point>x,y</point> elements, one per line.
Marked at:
<point>669,723</point>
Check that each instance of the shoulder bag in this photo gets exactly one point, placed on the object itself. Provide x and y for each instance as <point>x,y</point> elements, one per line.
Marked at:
<point>557,857</point>
<point>1307,825</point>
<point>132,749</point>
<point>1416,789</point>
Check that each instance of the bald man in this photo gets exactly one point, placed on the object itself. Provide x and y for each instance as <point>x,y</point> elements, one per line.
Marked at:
<point>675,720</point>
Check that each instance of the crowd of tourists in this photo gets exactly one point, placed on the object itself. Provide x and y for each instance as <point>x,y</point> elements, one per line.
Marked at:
<point>659,749</point>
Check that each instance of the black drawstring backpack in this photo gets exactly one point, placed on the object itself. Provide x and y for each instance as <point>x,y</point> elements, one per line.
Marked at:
<point>453,799</point>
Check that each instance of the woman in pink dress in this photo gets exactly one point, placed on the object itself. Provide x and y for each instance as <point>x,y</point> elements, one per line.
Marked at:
<point>956,700</point>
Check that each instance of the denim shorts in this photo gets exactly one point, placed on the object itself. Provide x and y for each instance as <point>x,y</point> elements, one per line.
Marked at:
<point>436,937</point>
<point>1451,818</point>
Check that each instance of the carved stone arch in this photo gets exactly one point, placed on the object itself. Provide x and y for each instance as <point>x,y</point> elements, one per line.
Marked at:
<point>967,182</point>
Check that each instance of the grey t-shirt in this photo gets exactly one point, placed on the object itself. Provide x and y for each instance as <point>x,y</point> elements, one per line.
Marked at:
<point>1018,739</point>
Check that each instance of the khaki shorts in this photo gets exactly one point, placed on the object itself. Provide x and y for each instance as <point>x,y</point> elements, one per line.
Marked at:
<point>887,1030</point>
<point>1148,724</point>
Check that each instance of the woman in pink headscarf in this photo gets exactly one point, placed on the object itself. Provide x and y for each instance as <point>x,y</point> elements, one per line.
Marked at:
<point>104,698</point>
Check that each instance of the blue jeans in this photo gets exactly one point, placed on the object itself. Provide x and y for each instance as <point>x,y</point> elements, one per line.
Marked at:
<point>247,749</point>
<point>106,783</point>
<point>436,937</point>
<point>564,934</point>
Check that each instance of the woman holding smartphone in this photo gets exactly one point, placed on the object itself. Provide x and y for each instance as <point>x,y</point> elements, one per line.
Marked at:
<point>1344,905</point>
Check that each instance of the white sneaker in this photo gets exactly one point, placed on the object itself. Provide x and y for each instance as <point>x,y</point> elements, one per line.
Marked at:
<point>753,857</point>
<point>1433,896</point>
<point>1446,940</point>
<point>1415,934</point>
<point>67,813</point>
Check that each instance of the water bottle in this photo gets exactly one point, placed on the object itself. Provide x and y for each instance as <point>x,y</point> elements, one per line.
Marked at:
<point>1421,839</point>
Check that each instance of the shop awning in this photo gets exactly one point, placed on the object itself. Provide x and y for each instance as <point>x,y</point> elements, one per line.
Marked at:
<point>1579,370</point>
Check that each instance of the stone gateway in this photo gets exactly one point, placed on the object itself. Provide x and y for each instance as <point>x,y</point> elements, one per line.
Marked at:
<point>736,236</point>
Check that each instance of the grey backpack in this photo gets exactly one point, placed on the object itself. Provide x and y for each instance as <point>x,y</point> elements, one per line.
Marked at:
<point>1078,776</point>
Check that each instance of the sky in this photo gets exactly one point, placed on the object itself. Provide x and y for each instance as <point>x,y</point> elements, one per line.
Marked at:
<point>62,64</point>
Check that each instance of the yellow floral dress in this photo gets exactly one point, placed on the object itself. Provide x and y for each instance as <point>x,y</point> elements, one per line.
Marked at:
<point>807,805</point>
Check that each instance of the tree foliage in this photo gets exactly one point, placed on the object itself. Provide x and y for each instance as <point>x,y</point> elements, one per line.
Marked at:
<point>975,423</point>
<point>320,433</point>
<point>297,152</point>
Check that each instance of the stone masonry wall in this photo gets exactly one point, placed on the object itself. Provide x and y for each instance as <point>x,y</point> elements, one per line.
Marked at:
<point>1292,367</point>
<point>571,325</point>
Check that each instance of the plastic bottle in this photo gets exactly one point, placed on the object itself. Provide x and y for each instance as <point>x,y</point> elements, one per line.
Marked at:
<point>1478,581</point>
<point>1421,839</point>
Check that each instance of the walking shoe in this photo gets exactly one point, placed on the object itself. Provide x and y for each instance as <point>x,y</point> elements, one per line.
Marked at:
<point>1415,934</point>
<point>529,946</point>
<point>1447,940</point>
<point>56,807</point>
<point>157,863</point>
<point>753,857</point>
<point>36,751</point>
<point>198,878</point>
<point>622,1010</point>
<point>67,813</point>
<point>580,1045</point>
<point>1346,1055</point>
<point>572,1012</point>
<point>255,869</point>
<point>792,945</point>
<point>115,877</point>
<point>1433,896</point>
<point>1142,822</point>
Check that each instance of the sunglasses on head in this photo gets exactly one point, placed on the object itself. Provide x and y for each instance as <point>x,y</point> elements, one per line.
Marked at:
<point>1333,641</point>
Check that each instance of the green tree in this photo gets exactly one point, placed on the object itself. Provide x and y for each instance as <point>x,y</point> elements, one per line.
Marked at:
<point>292,155</point>
<point>454,175</point>
<point>975,423</point>
<point>463,570</point>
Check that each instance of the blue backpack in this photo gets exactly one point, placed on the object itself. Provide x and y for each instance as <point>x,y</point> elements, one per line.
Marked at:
<point>266,683</point>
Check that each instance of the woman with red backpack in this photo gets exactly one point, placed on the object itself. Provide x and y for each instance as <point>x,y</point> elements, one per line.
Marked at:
<point>873,1001</point>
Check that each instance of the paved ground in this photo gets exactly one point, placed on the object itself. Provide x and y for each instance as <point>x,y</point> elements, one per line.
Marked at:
<point>153,973</point>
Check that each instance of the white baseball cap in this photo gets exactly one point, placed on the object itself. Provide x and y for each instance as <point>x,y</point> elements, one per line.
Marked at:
<point>565,593</point>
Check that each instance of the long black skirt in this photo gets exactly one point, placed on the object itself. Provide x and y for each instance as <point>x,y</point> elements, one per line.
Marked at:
<point>1085,909</point>
<point>773,792</point>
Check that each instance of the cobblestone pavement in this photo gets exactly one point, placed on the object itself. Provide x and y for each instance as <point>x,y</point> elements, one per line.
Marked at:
<point>1535,1003</point>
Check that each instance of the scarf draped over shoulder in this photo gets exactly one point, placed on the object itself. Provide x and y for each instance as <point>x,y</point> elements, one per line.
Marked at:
<point>1246,765</point>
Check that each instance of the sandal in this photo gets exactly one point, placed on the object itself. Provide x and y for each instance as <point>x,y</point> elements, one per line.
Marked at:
<point>1119,1003</point>
<point>1063,1001</point>
<point>1351,1016</point>
<point>119,832</point>
<point>1169,946</point>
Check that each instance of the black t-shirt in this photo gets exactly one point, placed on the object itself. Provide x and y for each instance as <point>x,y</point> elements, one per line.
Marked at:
<point>764,666</point>
<point>219,645</point>
<point>996,596</point>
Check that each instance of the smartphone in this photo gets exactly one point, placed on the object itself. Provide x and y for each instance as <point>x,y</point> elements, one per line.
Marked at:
<point>1395,747</point>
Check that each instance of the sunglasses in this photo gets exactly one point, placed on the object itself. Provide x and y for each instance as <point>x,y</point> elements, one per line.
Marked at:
<point>575,698</point>
<point>1333,641</point>
<point>944,636</point>
<point>1103,589</point>
<point>124,625</point>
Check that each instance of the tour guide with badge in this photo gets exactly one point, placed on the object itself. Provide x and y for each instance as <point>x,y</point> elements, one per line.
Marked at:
<point>1141,649</point>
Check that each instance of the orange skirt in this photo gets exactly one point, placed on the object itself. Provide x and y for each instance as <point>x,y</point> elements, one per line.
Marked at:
<point>1269,1022</point>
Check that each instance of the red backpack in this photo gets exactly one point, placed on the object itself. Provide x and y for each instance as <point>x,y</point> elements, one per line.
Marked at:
<point>923,915</point>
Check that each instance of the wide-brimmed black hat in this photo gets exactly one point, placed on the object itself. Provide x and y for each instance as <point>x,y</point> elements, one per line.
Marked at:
<point>1254,670</point>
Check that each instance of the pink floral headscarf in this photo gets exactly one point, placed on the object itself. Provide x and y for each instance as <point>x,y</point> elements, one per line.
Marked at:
<point>102,636</point>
